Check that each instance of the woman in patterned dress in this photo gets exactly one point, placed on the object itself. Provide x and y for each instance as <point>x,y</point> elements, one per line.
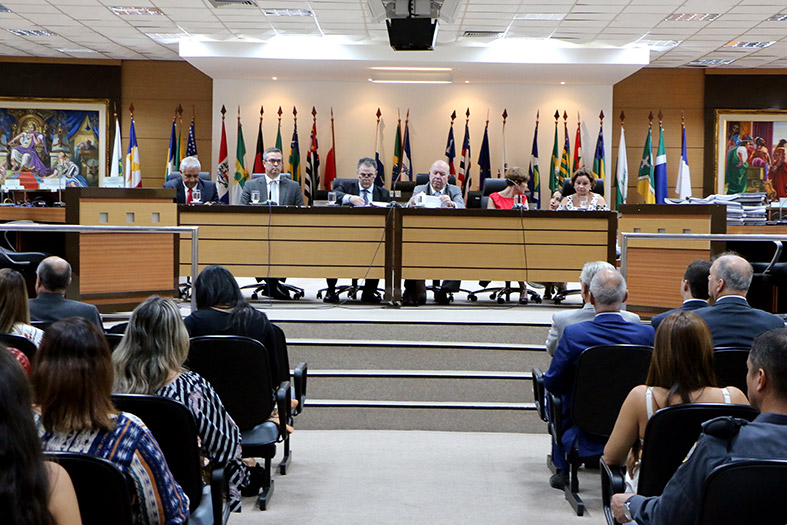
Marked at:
<point>584,198</point>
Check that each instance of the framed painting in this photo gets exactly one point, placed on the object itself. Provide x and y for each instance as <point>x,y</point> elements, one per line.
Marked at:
<point>63,142</point>
<point>751,154</point>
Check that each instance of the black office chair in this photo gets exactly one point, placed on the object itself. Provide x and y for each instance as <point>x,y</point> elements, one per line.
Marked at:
<point>239,370</point>
<point>24,345</point>
<point>25,263</point>
<point>113,340</point>
<point>769,274</point>
<point>100,487</point>
<point>203,175</point>
<point>423,178</point>
<point>175,431</point>
<point>605,374</point>
<point>568,188</point>
<point>745,491</point>
<point>119,328</point>
<point>41,325</point>
<point>730,366</point>
<point>669,436</point>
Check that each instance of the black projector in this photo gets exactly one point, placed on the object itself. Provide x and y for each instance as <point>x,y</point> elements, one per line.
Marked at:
<point>412,34</point>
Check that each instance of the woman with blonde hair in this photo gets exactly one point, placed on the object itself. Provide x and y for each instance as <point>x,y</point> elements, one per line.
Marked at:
<point>14,312</point>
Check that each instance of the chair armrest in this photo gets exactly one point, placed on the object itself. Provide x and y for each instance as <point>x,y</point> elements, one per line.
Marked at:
<point>300,375</point>
<point>538,393</point>
<point>283,403</point>
<point>218,488</point>
<point>612,482</point>
<point>555,415</point>
<point>5,257</point>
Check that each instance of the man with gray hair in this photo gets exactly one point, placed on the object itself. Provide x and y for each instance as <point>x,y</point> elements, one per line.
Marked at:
<point>607,294</point>
<point>561,320</point>
<point>731,320</point>
<point>53,276</point>
<point>190,181</point>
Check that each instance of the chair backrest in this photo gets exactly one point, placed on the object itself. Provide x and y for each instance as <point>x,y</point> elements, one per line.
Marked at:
<point>26,346</point>
<point>101,488</point>
<point>493,185</point>
<point>119,328</point>
<point>568,188</point>
<point>282,354</point>
<point>423,178</point>
<point>730,366</point>
<point>745,491</point>
<point>113,340</point>
<point>176,433</point>
<point>669,436</point>
<point>605,375</point>
<point>344,184</point>
<point>203,175</point>
<point>238,369</point>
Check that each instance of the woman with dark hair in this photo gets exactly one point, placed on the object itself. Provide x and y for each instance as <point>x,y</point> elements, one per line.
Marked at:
<point>516,184</point>
<point>584,199</point>
<point>72,379</point>
<point>14,312</point>
<point>681,371</point>
<point>149,360</point>
<point>32,491</point>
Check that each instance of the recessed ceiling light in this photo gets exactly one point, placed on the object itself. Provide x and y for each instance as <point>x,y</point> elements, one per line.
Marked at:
<point>4,9</point>
<point>64,50</point>
<point>127,10</point>
<point>411,81</point>
<point>284,11</point>
<point>402,68</point>
<point>467,81</point>
<point>692,17</point>
<point>712,62</point>
<point>539,16</point>
<point>659,45</point>
<point>274,78</point>
<point>31,32</point>
<point>167,38</point>
<point>781,17</point>
<point>562,83</point>
<point>754,45</point>
<point>483,34</point>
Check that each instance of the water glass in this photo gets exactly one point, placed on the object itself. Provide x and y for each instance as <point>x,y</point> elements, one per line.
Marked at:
<point>255,197</point>
<point>331,197</point>
<point>196,196</point>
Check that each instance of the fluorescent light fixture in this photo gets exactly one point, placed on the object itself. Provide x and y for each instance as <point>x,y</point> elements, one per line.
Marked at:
<point>692,17</point>
<point>750,45</point>
<point>411,81</point>
<point>712,62</point>
<point>285,11</point>
<point>483,34</point>
<point>781,17</point>
<point>540,17</point>
<point>402,68</point>
<point>659,45</point>
<point>167,38</point>
<point>4,9</point>
<point>74,51</point>
<point>128,10</point>
<point>412,76</point>
<point>31,32</point>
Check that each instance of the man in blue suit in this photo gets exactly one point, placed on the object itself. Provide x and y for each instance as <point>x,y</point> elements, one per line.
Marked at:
<point>607,294</point>
<point>693,290</point>
<point>190,181</point>
<point>731,320</point>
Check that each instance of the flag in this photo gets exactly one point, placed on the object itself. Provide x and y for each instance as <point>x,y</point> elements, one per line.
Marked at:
<point>222,172</point>
<point>172,152</point>
<point>278,133</point>
<point>484,162</point>
<point>578,161</point>
<point>191,145</point>
<point>683,187</point>
<point>116,168</point>
<point>312,179</point>
<point>450,150</point>
<point>406,171</point>
<point>465,163</point>
<point>330,161</point>
<point>379,180</point>
<point>505,150</point>
<point>622,170</point>
<point>534,184</point>
<point>180,149</point>
<point>554,166</point>
<point>565,159</point>
<point>133,171</point>
<point>645,175</point>
<point>241,175</point>
<point>397,154</point>
<point>660,171</point>
<point>259,166</point>
<point>294,161</point>
<point>599,165</point>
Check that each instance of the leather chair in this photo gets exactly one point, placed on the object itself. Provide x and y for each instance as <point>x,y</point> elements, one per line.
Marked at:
<point>24,345</point>
<point>119,328</point>
<point>203,175</point>
<point>730,366</point>
<point>175,431</point>
<point>239,370</point>
<point>769,275</point>
<point>25,263</point>
<point>113,340</point>
<point>100,487</point>
<point>669,436</point>
<point>423,178</point>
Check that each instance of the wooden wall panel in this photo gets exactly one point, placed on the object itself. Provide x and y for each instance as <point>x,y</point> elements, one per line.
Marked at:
<point>101,255</point>
<point>651,288</point>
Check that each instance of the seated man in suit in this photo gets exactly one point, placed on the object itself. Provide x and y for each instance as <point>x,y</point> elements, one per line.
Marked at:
<point>561,320</point>
<point>276,190</point>
<point>189,181</point>
<point>450,197</point>
<point>52,278</point>
<point>724,440</point>
<point>607,294</point>
<point>693,290</point>
<point>360,194</point>
<point>731,320</point>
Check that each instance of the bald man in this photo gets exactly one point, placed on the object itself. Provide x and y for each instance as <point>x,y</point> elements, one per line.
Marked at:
<point>731,320</point>
<point>53,276</point>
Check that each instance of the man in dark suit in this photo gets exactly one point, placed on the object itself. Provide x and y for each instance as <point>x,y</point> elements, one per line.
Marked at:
<point>189,181</point>
<point>362,193</point>
<point>450,197</point>
<point>607,294</point>
<point>693,290</point>
<point>731,320</point>
<point>52,278</point>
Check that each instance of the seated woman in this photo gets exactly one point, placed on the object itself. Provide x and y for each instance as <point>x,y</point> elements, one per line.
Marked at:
<point>34,491</point>
<point>72,380</point>
<point>149,360</point>
<point>681,371</point>
<point>516,184</point>
<point>14,313</point>
<point>584,199</point>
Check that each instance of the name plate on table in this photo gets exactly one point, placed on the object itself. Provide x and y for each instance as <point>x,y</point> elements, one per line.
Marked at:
<point>12,184</point>
<point>114,182</point>
<point>52,184</point>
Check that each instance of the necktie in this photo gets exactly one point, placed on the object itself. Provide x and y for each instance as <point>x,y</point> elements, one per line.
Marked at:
<point>366,196</point>
<point>273,191</point>
<point>188,199</point>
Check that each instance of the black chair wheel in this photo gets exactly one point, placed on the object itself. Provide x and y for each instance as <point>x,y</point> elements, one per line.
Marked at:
<point>319,295</point>
<point>501,300</point>
<point>537,299</point>
<point>557,300</point>
<point>472,298</point>
<point>493,295</point>
<point>254,296</point>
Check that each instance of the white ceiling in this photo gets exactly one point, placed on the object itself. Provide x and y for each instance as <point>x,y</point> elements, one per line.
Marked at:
<point>88,29</point>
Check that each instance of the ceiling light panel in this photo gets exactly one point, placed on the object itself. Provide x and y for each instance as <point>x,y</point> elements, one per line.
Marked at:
<point>748,45</point>
<point>31,33</point>
<point>128,10</point>
<point>692,17</point>
<point>284,11</point>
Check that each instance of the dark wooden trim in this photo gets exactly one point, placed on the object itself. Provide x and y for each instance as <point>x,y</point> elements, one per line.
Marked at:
<point>396,246</point>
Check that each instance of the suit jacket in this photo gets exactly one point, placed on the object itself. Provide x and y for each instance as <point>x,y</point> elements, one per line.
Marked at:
<point>207,188</point>
<point>733,322</point>
<point>51,307</point>
<point>690,304</point>
<point>378,194</point>
<point>561,320</point>
<point>454,192</point>
<point>290,193</point>
<point>606,328</point>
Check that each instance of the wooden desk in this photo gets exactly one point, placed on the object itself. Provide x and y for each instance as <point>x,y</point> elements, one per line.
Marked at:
<point>32,213</point>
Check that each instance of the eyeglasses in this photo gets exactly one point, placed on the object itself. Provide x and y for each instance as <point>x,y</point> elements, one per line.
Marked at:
<point>274,161</point>
<point>366,175</point>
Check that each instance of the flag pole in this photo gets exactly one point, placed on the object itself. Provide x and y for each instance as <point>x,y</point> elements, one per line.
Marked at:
<point>505,153</point>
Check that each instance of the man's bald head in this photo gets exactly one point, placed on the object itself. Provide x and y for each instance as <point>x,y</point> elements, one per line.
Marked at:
<point>608,291</point>
<point>54,274</point>
<point>730,274</point>
<point>438,175</point>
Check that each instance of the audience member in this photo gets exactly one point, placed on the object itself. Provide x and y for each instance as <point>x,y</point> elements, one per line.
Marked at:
<point>53,276</point>
<point>731,320</point>
<point>72,381</point>
<point>607,295</point>
<point>561,320</point>
<point>20,357</point>
<point>190,181</point>
<point>681,371</point>
<point>34,491</point>
<point>149,360</point>
<point>584,198</point>
<point>14,315</point>
<point>724,440</point>
<point>693,290</point>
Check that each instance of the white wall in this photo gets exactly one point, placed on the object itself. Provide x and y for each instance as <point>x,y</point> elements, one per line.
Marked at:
<point>355,104</point>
